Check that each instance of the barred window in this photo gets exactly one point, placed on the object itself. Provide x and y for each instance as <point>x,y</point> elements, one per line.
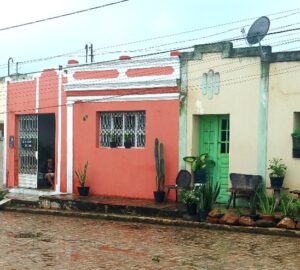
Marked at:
<point>122,125</point>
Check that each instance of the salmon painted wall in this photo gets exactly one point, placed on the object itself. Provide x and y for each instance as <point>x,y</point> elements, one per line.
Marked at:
<point>126,172</point>
<point>22,99</point>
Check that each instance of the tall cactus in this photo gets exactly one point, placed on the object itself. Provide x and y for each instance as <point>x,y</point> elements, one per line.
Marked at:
<point>159,164</point>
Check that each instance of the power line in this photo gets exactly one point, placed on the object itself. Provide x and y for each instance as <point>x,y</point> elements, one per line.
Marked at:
<point>295,11</point>
<point>62,15</point>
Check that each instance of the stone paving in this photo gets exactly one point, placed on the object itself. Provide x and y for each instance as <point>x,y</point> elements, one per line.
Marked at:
<point>50,242</point>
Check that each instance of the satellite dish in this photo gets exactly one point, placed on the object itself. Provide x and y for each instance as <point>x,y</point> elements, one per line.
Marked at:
<point>258,30</point>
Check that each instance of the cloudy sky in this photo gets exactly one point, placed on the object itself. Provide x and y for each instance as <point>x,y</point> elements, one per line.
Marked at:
<point>133,28</point>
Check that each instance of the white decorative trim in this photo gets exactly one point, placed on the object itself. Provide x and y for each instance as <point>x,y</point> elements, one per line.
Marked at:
<point>70,147</point>
<point>128,64</point>
<point>130,83</point>
<point>59,124</point>
<point>166,96</point>
<point>37,94</point>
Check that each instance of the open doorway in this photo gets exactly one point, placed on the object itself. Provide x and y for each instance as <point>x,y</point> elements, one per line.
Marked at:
<point>36,146</point>
<point>46,147</point>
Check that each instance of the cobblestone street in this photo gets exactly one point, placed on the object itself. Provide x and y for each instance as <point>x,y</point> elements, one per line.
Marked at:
<point>38,242</point>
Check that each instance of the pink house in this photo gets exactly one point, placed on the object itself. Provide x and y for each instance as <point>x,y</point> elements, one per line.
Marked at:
<point>70,115</point>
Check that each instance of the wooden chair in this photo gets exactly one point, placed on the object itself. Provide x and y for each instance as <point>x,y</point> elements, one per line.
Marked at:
<point>243,185</point>
<point>183,180</point>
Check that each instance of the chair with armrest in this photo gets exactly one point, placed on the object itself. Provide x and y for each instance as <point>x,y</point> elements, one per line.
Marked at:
<point>243,185</point>
<point>183,180</point>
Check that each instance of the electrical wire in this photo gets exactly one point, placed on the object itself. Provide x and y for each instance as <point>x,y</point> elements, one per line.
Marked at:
<point>62,15</point>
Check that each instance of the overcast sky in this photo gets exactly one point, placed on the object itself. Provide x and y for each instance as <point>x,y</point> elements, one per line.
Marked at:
<point>135,20</point>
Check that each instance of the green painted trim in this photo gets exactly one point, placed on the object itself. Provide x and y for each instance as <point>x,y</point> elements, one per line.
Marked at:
<point>183,114</point>
<point>263,120</point>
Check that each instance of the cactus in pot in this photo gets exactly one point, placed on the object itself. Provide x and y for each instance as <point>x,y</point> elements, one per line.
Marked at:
<point>159,194</point>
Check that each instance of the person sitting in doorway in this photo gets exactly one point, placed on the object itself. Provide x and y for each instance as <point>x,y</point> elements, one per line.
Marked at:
<point>49,171</point>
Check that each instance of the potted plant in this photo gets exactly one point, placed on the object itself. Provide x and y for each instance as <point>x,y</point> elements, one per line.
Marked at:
<point>277,172</point>
<point>253,204</point>
<point>127,140</point>
<point>200,167</point>
<point>189,197</point>
<point>288,205</point>
<point>159,194</point>
<point>296,143</point>
<point>207,195</point>
<point>112,140</point>
<point>267,205</point>
<point>81,174</point>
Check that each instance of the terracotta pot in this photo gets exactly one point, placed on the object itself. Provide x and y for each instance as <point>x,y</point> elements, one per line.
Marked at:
<point>268,217</point>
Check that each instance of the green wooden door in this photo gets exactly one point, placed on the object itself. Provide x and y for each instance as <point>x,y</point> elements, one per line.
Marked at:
<point>214,140</point>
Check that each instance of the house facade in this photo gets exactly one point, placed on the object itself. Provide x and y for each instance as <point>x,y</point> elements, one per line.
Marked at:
<point>71,114</point>
<point>241,106</point>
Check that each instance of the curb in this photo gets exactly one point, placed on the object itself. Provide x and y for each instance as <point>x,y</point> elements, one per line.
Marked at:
<point>158,221</point>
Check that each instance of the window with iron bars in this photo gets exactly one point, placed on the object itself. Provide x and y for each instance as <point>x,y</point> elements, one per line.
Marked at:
<point>122,126</point>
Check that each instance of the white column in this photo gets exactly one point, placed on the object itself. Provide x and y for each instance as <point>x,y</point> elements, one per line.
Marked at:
<point>70,147</point>
<point>7,80</point>
<point>37,94</point>
<point>59,124</point>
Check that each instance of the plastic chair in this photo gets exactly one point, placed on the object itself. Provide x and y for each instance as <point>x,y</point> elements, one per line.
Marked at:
<point>183,180</point>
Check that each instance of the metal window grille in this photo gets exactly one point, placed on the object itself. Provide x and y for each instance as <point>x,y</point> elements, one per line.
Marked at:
<point>121,124</point>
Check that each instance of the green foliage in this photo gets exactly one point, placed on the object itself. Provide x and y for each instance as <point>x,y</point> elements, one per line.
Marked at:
<point>159,165</point>
<point>81,174</point>
<point>254,201</point>
<point>202,162</point>
<point>207,195</point>
<point>277,167</point>
<point>2,194</point>
<point>289,206</point>
<point>240,212</point>
<point>128,137</point>
<point>189,197</point>
<point>112,137</point>
<point>296,134</point>
<point>267,204</point>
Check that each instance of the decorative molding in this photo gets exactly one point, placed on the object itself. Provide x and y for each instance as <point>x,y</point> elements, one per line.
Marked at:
<point>154,97</point>
<point>210,84</point>
<point>96,85</point>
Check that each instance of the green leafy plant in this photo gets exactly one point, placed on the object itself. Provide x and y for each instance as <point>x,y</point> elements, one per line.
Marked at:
<point>277,168</point>
<point>207,195</point>
<point>128,137</point>
<point>112,137</point>
<point>81,174</point>
<point>189,197</point>
<point>254,201</point>
<point>159,165</point>
<point>267,204</point>
<point>202,162</point>
<point>289,205</point>
<point>241,212</point>
<point>2,194</point>
<point>296,134</point>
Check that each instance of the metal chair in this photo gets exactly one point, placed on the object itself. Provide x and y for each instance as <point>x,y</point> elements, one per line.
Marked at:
<point>243,185</point>
<point>183,180</point>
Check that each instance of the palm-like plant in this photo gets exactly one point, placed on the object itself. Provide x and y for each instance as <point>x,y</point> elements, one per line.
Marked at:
<point>267,203</point>
<point>207,195</point>
<point>81,174</point>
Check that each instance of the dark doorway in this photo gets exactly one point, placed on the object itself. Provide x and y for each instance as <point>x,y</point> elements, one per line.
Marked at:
<point>46,145</point>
